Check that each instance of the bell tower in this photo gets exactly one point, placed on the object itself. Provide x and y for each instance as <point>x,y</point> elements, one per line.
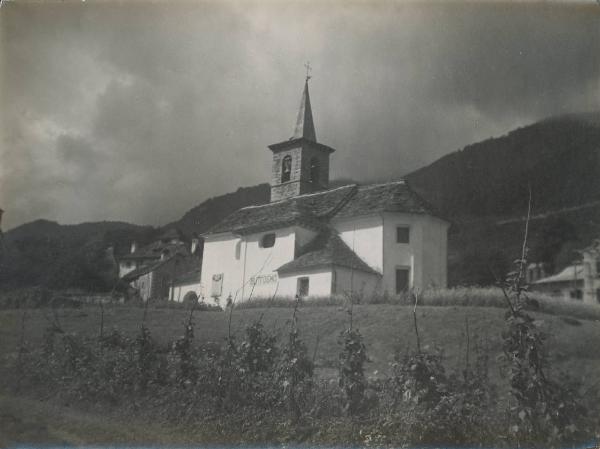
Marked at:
<point>300,164</point>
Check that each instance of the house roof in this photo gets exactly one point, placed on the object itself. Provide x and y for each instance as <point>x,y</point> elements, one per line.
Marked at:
<point>311,210</point>
<point>156,248</point>
<point>571,273</point>
<point>144,269</point>
<point>325,250</point>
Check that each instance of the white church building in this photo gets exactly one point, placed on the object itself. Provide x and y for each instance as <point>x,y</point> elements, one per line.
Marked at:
<point>314,241</point>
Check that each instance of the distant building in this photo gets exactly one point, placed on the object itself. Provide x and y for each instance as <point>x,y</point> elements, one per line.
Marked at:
<point>151,270</point>
<point>313,241</point>
<point>591,273</point>
<point>567,284</point>
<point>580,280</point>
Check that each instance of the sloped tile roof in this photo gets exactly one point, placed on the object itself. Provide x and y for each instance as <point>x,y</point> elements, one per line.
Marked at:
<point>316,209</point>
<point>571,273</point>
<point>390,197</point>
<point>144,269</point>
<point>311,210</point>
<point>326,249</point>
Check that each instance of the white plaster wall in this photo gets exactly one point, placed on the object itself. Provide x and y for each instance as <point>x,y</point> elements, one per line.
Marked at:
<point>319,283</point>
<point>144,285</point>
<point>365,236</point>
<point>254,261</point>
<point>359,282</point>
<point>425,254</point>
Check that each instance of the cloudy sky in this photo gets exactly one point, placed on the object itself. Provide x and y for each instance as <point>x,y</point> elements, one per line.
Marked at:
<point>138,111</point>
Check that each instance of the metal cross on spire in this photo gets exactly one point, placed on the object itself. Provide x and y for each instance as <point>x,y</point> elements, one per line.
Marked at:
<point>308,70</point>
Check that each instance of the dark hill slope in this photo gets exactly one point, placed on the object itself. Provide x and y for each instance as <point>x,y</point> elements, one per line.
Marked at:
<point>45,253</point>
<point>560,157</point>
<point>208,213</point>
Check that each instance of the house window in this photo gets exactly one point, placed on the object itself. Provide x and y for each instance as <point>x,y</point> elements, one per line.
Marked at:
<point>267,240</point>
<point>402,280</point>
<point>286,168</point>
<point>598,268</point>
<point>302,287</point>
<point>402,234</point>
<point>314,170</point>
<point>576,294</point>
<point>598,295</point>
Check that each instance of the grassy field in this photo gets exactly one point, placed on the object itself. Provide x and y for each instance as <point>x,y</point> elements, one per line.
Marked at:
<point>573,344</point>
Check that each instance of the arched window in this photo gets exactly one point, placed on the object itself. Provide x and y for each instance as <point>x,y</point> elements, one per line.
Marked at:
<point>286,168</point>
<point>314,170</point>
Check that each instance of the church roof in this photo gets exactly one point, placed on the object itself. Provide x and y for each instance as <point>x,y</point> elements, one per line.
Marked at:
<point>305,126</point>
<point>314,210</point>
<point>311,210</point>
<point>325,250</point>
<point>390,197</point>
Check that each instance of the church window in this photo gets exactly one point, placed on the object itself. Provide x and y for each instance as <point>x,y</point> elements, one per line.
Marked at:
<point>286,168</point>
<point>314,170</point>
<point>302,287</point>
<point>402,234</point>
<point>267,240</point>
<point>402,280</point>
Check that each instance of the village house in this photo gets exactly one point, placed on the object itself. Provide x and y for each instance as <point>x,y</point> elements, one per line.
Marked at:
<point>580,280</point>
<point>314,241</point>
<point>151,270</point>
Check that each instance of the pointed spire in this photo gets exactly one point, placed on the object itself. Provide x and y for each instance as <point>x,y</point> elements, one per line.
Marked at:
<point>305,126</point>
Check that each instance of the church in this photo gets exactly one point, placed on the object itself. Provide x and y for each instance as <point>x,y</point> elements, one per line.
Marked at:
<point>313,241</point>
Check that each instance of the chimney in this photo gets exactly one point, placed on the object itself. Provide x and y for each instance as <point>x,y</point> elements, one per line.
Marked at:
<point>194,245</point>
<point>133,247</point>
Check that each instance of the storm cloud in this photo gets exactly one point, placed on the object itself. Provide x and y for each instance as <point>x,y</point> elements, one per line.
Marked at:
<point>138,111</point>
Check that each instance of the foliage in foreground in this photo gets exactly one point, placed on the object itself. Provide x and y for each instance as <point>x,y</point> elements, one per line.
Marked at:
<point>262,389</point>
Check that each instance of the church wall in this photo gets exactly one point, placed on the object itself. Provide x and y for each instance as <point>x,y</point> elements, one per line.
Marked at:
<point>247,268</point>
<point>425,254</point>
<point>365,236</point>
<point>319,283</point>
<point>365,284</point>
